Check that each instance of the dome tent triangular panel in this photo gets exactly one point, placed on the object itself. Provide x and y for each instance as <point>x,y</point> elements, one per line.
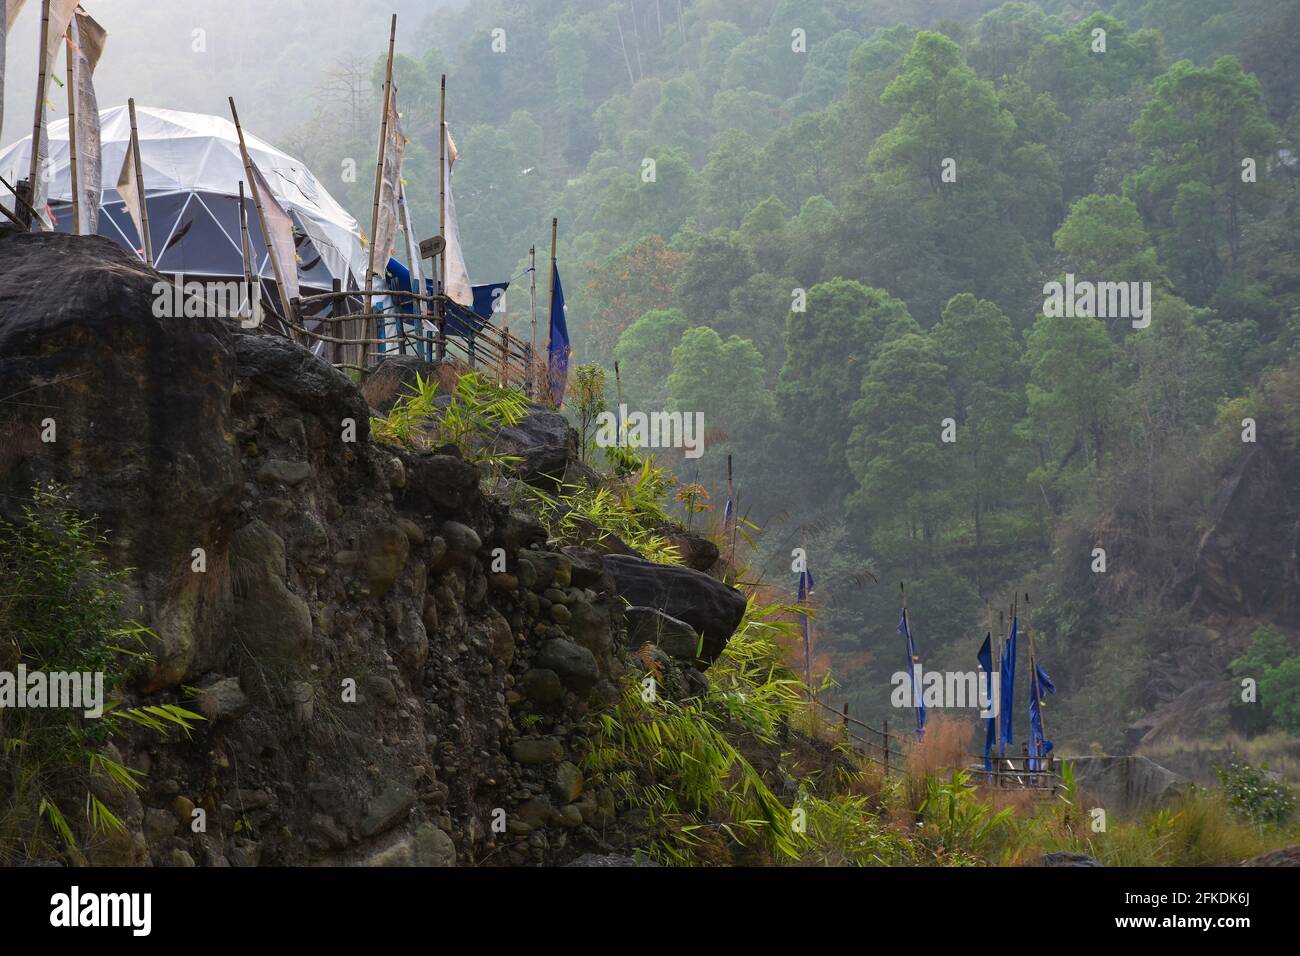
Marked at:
<point>192,168</point>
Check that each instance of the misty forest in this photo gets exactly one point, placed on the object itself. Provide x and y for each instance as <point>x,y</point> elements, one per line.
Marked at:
<point>987,313</point>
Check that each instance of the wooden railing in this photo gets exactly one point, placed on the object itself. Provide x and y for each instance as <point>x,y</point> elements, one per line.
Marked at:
<point>1020,772</point>
<point>437,330</point>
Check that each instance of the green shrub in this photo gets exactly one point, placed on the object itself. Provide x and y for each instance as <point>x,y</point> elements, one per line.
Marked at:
<point>1252,795</point>
<point>61,611</point>
<point>474,409</point>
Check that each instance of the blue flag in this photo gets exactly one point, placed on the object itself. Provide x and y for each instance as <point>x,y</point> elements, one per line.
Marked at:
<point>805,589</point>
<point>985,657</point>
<point>557,357</point>
<point>918,700</point>
<point>1039,683</point>
<point>1008,678</point>
<point>486,298</point>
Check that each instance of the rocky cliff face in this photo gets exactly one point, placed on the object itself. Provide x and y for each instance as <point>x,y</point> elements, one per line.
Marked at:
<point>379,687</point>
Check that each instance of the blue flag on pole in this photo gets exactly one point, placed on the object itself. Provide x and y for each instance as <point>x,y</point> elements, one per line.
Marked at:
<point>805,588</point>
<point>557,350</point>
<point>918,700</point>
<point>985,658</point>
<point>1039,683</point>
<point>1007,694</point>
<point>487,299</point>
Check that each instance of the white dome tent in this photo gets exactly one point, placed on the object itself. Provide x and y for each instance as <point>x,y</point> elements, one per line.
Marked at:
<point>192,169</point>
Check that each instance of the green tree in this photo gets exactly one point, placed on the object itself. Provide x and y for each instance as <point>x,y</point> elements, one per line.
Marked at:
<point>1103,238</point>
<point>644,356</point>
<point>828,348</point>
<point>1198,129</point>
<point>895,451</point>
<point>977,346</point>
<point>1073,392</point>
<point>722,379</point>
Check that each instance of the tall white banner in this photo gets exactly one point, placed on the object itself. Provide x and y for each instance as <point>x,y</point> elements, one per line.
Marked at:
<point>390,188</point>
<point>8,14</point>
<point>458,287</point>
<point>87,46</point>
<point>60,15</point>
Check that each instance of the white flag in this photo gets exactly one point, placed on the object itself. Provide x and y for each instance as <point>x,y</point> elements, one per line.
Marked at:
<point>87,46</point>
<point>8,14</point>
<point>412,247</point>
<point>60,13</point>
<point>280,241</point>
<point>126,189</point>
<point>390,188</point>
<point>458,287</point>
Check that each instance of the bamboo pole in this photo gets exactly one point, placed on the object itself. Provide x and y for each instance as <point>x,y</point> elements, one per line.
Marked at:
<point>442,218</point>
<point>72,130</point>
<point>1002,632</point>
<point>139,182</point>
<point>734,522</point>
<point>807,629</point>
<point>532,305</point>
<point>383,148</point>
<point>246,255</point>
<point>1033,676</point>
<point>261,218</point>
<point>550,311</point>
<point>38,123</point>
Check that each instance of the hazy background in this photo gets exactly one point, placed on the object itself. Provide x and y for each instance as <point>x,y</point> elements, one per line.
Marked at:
<point>270,56</point>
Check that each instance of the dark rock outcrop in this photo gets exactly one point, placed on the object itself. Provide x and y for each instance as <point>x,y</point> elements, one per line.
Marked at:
<point>1287,856</point>
<point>544,441</point>
<point>1064,859</point>
<point>133,412</point>
<point>1246,562</point>
<point>1126,785</point>
<point>646,625</point>
<point>712,609</point>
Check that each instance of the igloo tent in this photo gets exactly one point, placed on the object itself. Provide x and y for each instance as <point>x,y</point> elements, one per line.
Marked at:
<point>192,170</point>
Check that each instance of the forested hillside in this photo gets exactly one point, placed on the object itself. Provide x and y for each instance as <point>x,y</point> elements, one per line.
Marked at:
<point>828,226</point>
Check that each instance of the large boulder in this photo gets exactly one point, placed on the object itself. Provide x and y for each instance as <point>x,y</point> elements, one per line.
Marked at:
<point>140,407</point>
<point>308,381</point>
<point>394,378</point>
<point>711,608</point>
<point>545,443</point>
<point>1126,785</point>
<point>646,625</point>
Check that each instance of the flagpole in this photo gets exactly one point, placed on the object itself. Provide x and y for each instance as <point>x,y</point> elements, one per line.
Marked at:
<point>245,252</point>
<point>38,124</point>
<point>731,499</point>
<point>442,219</point>
<point>261,217</point>
<point>1033,677</point>
<point>911,646</point>
<point>550,312</point>
<point>442,182</point>
<point>807,633</point>
<point>379,165</point>
<point>532,304</point>
<point>72,130</point>
<point>139,182</point>
<point>1002,649</point>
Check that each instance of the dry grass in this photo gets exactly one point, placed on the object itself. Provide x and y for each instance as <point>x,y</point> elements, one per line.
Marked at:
<point>943,747</point>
